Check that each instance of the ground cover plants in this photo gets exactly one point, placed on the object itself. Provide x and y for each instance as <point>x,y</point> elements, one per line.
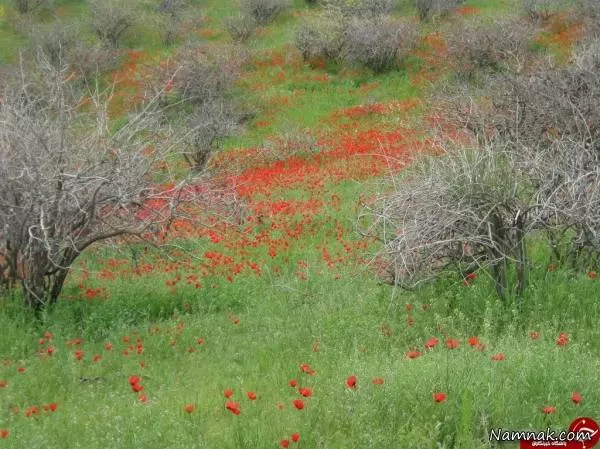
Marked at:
<point>325,224</point>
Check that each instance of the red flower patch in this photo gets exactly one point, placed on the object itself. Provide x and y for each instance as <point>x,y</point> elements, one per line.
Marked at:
<point>299,404</point>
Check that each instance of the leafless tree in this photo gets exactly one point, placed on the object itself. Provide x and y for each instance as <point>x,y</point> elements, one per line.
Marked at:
<point>377,42</point>
<point>25,6</point>
<point>431,8</point>
<point>468,208</point>
<point>110,19</point>
<point>69,178</point>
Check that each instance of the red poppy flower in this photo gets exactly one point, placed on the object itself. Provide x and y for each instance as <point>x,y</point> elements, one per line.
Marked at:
<point>306,392</point>
<point>592,274</point>
<point>96,358</point>
<point>534,335</point>
<point>21,369</point>
<point>351,382</point>
<point>200,341</point>
<point>4,433</point>
<point>549,409</point>
<point>284,443</point>
<point>431,343</point>
<point>576,398</point>
<point>3,383</point>
<point>439,397</point>
<point>413,354</point>
<point>378,381</point>
<point>134,380</point>
<point>307,369</point>
<point>233,407</point>
<point>79,354</point>
<point>410,321</point>
<point>50,350</point>
<point>251,395</point>
<point>293,383</point>
<point>189,408</point>
<point>108,346</point>
<point>228,393</point>
<point>137,388</point>
<point>452,343</point>
<point>562,339</point>
<point>50,407</point>
<point>33,410</point>
<point>299,404</point>
<point>143,398</point>
<point>498,357</point>
<point>295,437</point>
<point>473,341</point>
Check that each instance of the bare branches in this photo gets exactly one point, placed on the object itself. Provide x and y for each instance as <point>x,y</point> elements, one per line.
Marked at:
<point>68,180</point>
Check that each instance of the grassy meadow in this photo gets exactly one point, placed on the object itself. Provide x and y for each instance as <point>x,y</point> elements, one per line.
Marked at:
<point>283,308</point>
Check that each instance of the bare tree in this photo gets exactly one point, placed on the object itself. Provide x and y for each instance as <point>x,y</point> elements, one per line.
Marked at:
<point>69,178</point>
<point>469,209</point>
<point>110,19</point>
<point>25,6</point>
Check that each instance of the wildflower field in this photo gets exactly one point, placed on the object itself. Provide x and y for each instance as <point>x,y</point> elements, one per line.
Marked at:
<point>272,326</point>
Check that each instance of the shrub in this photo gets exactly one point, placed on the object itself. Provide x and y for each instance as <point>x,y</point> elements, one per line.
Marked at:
<point>539,10</point>
<point>54,40</point>
<point>321,36</point>
<point>501,45</point>
<point>430,8</point>
<point>378,43</point>
<point>467,209</point>
<point>264,11</point>
<point>25,6</point>
<point>361,7</point>
<point>67,180</point>
<point>110,19</point>
<point>240,27</point>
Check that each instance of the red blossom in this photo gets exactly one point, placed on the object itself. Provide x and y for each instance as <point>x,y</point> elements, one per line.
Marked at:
<point>378,381</point>
<point>562,339</point>
<point>4,433</point>
<point>143,398</point>
<point>439,397</point>
<point>549,409</point>
<point>498,357</point>
<point>284,443</point>
<point>293,383</point>
<point>136,388</point>
<point>473,341</point>
<point>233,407</point>
<point>431,343</point>
<point>134,380</point>
<point>3,383</point>
<point>50,407</point>
<point>189,408</point>
<point>576,398</point>
<point>413,354</point>
<point>295,437</point>
<point>306,392</point>
<point>31,411</point>
<point>534,335</point>
<point>351,382</point>
<point>299,404</point>
<point>452,343</point>
<point>251,395</point>
<point>228,393</point>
